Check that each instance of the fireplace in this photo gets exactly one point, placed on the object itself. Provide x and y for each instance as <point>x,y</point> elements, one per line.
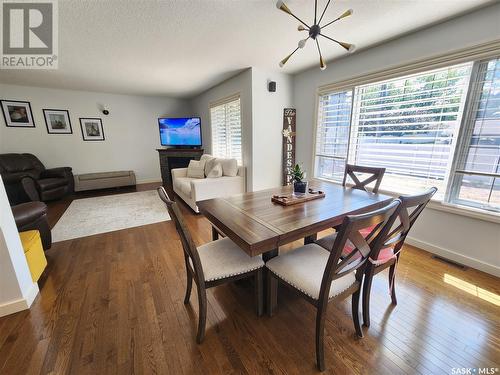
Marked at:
<point>171,158</point>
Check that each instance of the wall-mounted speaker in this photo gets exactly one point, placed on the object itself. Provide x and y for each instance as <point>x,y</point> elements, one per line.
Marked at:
<point>271,86</point>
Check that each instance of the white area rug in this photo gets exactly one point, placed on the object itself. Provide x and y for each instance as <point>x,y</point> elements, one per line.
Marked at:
<point>85,217</point>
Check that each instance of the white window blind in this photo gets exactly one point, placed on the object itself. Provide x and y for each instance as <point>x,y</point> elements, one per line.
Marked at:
<point>332,135</point>
<point>225,121</point>
<point>477,176</point>
<point>409,125</point>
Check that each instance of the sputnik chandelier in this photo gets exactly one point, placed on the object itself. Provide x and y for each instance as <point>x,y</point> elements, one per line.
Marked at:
<point>315,31</point>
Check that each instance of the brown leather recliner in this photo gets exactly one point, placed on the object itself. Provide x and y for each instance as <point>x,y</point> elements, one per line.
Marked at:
<point>33,216</point>
<point>27,179</point>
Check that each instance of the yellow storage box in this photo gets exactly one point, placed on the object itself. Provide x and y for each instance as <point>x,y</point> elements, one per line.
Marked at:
<point>33,251</point>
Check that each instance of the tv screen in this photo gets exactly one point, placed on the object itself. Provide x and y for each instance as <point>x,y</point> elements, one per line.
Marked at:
<point>182,131</point>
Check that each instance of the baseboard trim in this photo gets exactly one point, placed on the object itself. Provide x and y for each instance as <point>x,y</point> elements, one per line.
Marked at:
<point>456,257</point>
<point>20,304</point>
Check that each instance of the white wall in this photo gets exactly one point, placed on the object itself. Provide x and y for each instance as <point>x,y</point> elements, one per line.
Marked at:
<point>466,240</point>
<point>17,289</point>
<point>242,84</point>
<point>131,130</point>
<point>267,108</point>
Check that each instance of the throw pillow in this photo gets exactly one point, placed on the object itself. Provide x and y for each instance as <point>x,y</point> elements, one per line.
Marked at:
<point>215,172</point>
<point>196,169</point>
<point>209,164</point>
<point>229,166</point>
<point>207,158</point>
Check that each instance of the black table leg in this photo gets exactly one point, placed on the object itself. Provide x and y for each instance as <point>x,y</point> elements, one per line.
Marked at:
<point>310,239</point>
<point>270,288</point>
<point>215,234</point>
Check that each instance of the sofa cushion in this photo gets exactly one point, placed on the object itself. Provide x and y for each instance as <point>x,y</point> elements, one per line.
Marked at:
<point>229,166</point>
<point>206,157</point>
<point>196,169</point>
<point>28,212</point>
<point>215,172</point>
<point>16,163</point>
<point>51,183</point>
<point>183,184</point>
<point>209,162</point>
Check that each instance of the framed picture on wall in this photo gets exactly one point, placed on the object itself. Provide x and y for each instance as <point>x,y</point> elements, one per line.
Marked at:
<point>17,114</point>
<point>92,129</point>
<point>57,121</point>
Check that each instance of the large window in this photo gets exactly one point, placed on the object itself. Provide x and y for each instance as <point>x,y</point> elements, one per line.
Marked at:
<point>476,176</point>
<point>438,128</point>
<point>225,119</point>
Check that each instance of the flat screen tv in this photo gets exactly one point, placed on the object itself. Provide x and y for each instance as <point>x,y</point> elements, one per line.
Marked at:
<point>180,131</point>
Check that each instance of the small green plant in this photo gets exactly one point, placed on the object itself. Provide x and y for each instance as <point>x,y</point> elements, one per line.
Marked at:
<point>298,173</point>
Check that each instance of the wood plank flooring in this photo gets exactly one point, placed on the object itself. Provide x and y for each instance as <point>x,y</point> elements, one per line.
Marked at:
<point>113,304</point>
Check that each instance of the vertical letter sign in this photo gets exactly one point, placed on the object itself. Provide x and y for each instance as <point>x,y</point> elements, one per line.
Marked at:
<point>288,144</point>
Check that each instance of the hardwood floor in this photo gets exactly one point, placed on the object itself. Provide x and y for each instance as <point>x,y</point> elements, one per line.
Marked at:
<point>113,304</point>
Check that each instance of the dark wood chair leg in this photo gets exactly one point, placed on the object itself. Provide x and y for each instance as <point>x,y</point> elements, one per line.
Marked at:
<point>367,286</point>
<point>320,339</point>
<point>356,298</point>
<point>392,283</point>
<point>272,292</point>
<point>259,291</point>
<point>188,288</point>
<point>202,318</point>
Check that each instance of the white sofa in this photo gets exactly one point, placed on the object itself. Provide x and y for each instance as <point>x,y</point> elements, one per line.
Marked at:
<point>192,190</point>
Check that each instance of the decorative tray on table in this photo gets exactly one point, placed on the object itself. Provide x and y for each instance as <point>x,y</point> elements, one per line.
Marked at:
<point>291,199</point>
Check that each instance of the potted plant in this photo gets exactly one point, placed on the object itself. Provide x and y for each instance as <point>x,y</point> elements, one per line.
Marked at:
<point>299,186</point>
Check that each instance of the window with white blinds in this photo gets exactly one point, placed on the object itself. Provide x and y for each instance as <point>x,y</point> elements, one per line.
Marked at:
<point>225,119</point>
<point>332,136</point>
<point>409,126</point>
<point>476,180</point>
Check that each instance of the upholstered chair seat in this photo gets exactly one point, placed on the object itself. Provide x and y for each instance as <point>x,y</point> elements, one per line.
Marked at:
<point>223,258</point>
<point>327,241</point>
<point>304,268</point>
<point>322,277</point>
<point>213,264</point>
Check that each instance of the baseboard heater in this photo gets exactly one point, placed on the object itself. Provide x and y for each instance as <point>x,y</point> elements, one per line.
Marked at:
<point>450,262</point>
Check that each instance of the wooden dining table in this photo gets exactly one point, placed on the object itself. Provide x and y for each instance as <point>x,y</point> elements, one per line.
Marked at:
<point>260,226</point>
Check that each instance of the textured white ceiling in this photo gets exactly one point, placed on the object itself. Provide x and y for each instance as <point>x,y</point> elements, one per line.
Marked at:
<point>183,47</point>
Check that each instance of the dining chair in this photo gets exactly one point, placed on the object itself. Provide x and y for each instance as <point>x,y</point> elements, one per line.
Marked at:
<point>375,174</point>
<point>321,276</point>
<point>409,210</point>
<point>387,256</point>
<point>215,263</point>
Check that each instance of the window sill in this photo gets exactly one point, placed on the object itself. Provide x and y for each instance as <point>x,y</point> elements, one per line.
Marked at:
<point>446,207</point>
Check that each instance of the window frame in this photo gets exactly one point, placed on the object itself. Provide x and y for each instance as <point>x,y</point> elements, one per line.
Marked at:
<point>475,55</point>
<point>221,102</point>
<point>464,141</point>
<point>315,133</point>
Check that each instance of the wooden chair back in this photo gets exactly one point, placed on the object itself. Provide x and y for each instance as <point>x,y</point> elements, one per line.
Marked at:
<point>410,209</point>
<point>191,257</point>
<point>376,175</point>
<point>381,220</point>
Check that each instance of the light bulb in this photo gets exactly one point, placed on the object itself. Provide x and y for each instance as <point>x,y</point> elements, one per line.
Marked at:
<point>347,13</point>
<point>302,43</point>
<point>322,64</point>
